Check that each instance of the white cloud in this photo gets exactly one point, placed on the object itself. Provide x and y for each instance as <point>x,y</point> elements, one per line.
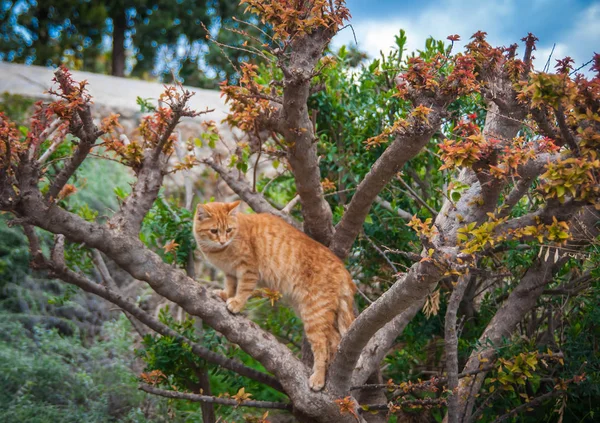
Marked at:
<point>439,21</point>
<point>583,38</point>
<point>578,41</point>
<point>465,17</point>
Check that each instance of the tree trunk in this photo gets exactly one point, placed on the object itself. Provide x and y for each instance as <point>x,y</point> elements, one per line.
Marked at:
<point>118,49</point>
<point>208,409</point>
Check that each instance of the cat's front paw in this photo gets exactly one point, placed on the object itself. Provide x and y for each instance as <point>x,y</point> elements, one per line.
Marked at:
<point>222,293</point>
<point>316,381</point>
<point>234,305</point>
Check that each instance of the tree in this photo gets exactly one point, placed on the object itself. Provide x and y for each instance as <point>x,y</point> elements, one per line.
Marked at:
<point>517,149</point>
<point>49,34</point>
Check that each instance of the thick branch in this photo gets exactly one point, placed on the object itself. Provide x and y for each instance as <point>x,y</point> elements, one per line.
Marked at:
<point>451,346</point>
<point>142,197</point>
<point>553,209</point>
<point>521,300</point>
<point>546,128</point>
<point>412,288</point>
<point>403,148</point>
<point>58,268</point>
<point>528,172</point>
<point>503,120</point>
<point>215,400</point>
<point>565,132</point>
<point>298,131</point>
<point>380,344</point>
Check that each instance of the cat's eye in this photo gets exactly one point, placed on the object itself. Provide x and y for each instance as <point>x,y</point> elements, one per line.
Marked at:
<point>214,231</point>
<point>229,230</point>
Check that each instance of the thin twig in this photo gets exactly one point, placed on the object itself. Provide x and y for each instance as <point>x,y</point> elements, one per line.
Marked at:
<point>426,402</point>
<point>255,170</point>
<point>353,33</point>
<point>417,197</point>
<point>53,147</point>
<point>381,253</point>
<point>216,400</point>
<point>289,206</point>
<point>581,67</point>
<point>530,404</point>
<point>547,66</point>
<point>388,206</point>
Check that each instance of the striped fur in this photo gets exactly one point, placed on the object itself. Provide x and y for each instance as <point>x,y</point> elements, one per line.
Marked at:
<point>263,250</point>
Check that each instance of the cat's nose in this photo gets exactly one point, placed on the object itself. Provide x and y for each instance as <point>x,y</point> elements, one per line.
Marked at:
<point>222,242</point>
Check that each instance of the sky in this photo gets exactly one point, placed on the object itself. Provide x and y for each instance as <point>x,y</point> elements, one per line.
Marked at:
<point>574,25</point>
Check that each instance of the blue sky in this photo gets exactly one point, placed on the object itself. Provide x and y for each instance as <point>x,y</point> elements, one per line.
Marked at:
<point>574,25</point>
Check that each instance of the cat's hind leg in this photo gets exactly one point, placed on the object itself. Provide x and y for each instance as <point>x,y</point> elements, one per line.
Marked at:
<point>318,325</point>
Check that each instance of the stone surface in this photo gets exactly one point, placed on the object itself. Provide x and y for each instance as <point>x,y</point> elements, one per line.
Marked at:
<point>112,94</point>
<point>109,92</point>
<point>118,95</point>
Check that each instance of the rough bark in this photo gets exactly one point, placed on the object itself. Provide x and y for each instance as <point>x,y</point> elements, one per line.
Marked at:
<point>403,148</point>
<point>412,288</point>
<point>380,344</point>
<point>298,130</point>
<point>451,346</point>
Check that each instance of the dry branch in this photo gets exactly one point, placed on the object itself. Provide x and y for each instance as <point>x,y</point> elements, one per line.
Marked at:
<point>404,147</point>
<point>451,345</point>
<point>388,206</point>
<point>58,268</point>
<point>412,288</point>
<point>242,188</point>
<point>215,400</point>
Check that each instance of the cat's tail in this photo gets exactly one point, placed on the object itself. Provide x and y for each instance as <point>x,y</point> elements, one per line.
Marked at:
<point>345,312</point>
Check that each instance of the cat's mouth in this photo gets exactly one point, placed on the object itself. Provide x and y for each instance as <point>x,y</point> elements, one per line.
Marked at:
<point>214,246</point>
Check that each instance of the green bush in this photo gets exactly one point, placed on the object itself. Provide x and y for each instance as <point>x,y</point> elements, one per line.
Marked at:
<point>45,377</point>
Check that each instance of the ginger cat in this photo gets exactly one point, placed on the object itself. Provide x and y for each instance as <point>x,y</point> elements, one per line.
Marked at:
<point>264,250</point>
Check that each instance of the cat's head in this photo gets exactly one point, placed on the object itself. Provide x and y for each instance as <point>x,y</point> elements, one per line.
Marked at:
<point>215,224</point>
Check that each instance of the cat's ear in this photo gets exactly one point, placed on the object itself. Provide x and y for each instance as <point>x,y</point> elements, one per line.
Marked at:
<point>232,207</point>
<point>201,212</point>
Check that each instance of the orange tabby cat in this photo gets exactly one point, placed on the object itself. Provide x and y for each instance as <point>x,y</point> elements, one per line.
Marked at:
<point>263,249</point>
